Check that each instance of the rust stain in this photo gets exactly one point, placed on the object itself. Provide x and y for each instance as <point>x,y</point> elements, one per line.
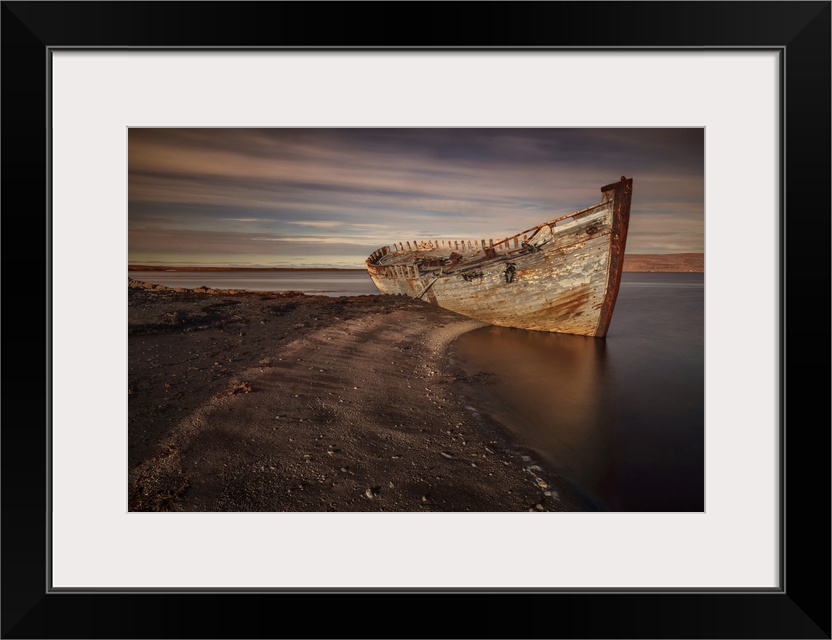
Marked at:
<point>622,197</point>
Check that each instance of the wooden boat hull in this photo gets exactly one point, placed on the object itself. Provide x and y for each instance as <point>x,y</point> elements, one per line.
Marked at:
<point>561,276</point>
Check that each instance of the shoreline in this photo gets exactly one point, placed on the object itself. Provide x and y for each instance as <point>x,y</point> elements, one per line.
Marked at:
<point>168,269</point>
<point>280,401</point>
<point>633,263</point>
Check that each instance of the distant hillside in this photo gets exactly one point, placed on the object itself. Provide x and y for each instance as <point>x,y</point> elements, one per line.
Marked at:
<point>638,262</point>
<point>148,267</point>
<point>643,262</point>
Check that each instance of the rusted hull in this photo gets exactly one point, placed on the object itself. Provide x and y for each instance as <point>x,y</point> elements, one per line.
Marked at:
<point>562,276</point>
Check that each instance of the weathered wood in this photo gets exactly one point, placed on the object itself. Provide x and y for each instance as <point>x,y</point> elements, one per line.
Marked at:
<point>561,276</point>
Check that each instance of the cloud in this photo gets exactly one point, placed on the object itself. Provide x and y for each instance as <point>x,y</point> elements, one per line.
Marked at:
<point>376,186</point>
<point>314,223</point>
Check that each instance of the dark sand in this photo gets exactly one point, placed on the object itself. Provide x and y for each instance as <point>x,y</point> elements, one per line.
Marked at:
<point>250,401</point>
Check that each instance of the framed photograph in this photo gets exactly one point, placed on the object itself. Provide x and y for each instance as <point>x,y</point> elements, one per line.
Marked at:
<point>88,84</point>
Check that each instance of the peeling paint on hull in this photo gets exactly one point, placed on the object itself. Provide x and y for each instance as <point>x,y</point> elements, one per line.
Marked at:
<point>561,276</point>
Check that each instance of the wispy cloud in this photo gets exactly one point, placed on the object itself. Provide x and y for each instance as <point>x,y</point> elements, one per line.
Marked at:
<point>376,186</point>
<point>316,223</point>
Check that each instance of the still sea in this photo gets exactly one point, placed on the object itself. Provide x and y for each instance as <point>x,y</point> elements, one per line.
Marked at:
<point>344,282</point>
<point>622,419</point>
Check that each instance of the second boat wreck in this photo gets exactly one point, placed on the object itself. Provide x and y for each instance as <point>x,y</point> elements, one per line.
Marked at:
<point>560,276</point>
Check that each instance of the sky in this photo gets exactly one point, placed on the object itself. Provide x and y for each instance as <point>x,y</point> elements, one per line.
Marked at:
<point>330,197</point>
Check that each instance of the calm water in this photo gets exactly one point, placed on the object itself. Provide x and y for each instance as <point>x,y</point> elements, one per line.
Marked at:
<point>623,418</point>
<point>325,283</point>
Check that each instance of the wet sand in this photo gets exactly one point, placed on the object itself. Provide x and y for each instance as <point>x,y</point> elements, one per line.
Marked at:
<point>253,401</point>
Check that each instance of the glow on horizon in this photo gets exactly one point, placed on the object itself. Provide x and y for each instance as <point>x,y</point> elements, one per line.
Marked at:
<point>330,197</point>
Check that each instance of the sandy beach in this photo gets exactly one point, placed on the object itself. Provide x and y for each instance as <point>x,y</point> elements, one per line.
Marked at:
<point>254,401</point>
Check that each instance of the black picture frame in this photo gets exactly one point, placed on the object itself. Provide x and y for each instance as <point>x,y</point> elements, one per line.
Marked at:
<point>799,31</point>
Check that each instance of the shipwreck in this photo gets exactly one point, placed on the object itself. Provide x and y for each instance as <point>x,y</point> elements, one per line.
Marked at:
<point>560,276</point>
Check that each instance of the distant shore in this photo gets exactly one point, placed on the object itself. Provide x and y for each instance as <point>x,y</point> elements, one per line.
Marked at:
<point>633,263</point>
<point>664,263</point>
<point>141,267</point>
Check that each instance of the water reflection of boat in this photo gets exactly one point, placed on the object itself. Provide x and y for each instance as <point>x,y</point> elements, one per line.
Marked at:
<point>551,392</point>
<point>560,276</point>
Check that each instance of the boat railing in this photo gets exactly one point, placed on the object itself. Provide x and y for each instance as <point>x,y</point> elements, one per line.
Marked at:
<point>516,241</point>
